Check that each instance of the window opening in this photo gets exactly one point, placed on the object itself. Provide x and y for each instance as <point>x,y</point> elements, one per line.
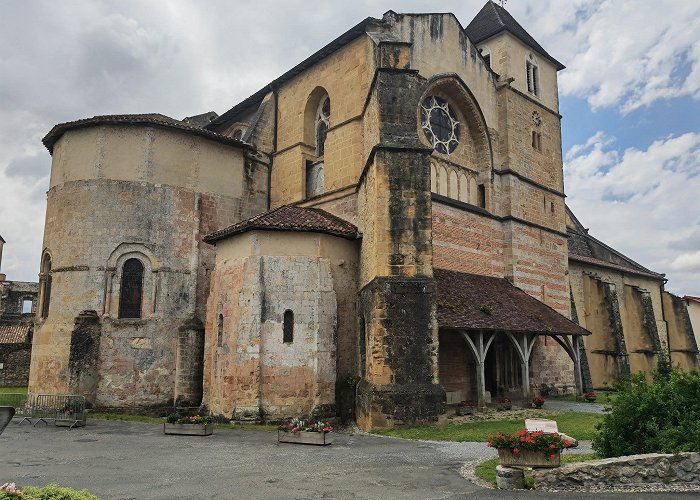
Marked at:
<point>532,75</point>
<point>537,141</point>
<point>482,196</point>
<point>131,292</point>
<point>46,289</point>
<point>322,122</point>
<point>27,306</point>
<point>238,134</point>
<point>288,327</point>
<point>220,328</point>
<point>440,125</point>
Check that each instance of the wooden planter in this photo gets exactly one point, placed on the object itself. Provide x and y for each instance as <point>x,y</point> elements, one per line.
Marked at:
<point>188,429</point>
<point>317,438</point>
<point>528,458</point>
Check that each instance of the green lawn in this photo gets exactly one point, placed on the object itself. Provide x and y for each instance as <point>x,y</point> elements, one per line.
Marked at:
<point>487,470</point>
<point>5,390</point>
<point>578,425</point>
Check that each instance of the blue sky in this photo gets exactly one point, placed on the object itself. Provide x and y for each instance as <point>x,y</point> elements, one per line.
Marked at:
<point>630,96</point>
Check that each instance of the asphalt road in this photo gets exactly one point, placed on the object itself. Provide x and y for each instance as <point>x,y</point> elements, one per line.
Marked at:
<point>124,460</point>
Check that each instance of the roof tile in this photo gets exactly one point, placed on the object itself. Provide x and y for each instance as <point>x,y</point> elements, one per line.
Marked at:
<point>475,302</point>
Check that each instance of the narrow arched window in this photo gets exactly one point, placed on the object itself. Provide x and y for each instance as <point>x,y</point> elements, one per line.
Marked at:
<point>486,54</point>
<point>288,327</point>
<point>322,122</point>
<point>533,77</point>
<point>220,327</point>
<point>45,285</point>
<point>131,293</point>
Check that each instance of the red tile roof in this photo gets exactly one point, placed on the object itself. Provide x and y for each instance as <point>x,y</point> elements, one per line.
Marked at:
<point>154,119</point>
<point>14,334</point>
<point>290,218</point>
<point>474,302</point>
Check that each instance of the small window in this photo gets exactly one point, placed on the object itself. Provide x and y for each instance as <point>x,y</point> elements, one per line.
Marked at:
<point>288,327</point>
<point>220,328</point>
<point>131,293</point>
<point>238,134</point>
<point>322,122</point>
<point>537,141</point>
<point>533,84</point>
<point>482,196</point>
<point>27,306</point>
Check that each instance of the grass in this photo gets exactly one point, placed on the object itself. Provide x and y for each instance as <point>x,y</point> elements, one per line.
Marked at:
<point>578,425</point>
<point>20,390</point>
<point>487,470</point>
<point>159,421</point>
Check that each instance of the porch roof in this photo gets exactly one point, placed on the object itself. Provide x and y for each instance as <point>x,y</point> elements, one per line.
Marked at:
<point>475,302</point>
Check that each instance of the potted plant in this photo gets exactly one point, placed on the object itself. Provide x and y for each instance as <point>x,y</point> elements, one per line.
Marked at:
<point>590,396</point>
<point>302,431</point>
<point>196,425</point>
<point>505,404</point>
<point>465,408</point>
<point>537,401</point>
<point>529,448</point>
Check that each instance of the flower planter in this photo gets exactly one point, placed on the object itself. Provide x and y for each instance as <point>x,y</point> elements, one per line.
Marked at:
<point>465,410</point>
<point>504,406</point>
<point>317,438</point>
<point>528,458</point>
<point>188,429</point>
<point>69,420</point>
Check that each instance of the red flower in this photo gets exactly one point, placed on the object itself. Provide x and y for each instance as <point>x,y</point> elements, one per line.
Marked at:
<point>515,451</point>
<point>552,455</point>
<point>551,446</point>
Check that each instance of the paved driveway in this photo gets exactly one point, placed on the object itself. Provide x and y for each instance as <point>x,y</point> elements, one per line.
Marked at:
<point>122,460</point>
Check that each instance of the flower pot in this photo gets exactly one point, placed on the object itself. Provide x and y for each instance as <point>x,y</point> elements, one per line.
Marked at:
<point>188,429</point>
<point>504,406</point>
<point>528,458</point>
<point>535,405</point>
<point>301,437</point>
<point>465,410</point>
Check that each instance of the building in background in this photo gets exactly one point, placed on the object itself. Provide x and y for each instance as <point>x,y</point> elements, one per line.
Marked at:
<point>17,307</point>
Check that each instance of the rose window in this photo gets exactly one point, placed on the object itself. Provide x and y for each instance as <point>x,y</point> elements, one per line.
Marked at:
<point>440,125</point>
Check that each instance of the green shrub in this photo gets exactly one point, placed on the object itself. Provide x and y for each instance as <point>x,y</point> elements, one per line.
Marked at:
<point>658,417</point>
<point>49,492</point>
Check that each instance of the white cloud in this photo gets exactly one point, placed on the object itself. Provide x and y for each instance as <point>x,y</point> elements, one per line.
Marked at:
<point>628,54</point>
<point>644,203</point>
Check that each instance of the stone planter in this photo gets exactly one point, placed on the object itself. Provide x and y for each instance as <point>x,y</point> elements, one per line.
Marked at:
<point>317,438</point>
<point>528,458</point>
<point>504,406</point>
<point>188,429</point>
<point>465,410</point>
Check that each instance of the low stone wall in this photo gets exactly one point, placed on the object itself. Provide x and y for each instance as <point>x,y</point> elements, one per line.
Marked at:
<point>651,471</point>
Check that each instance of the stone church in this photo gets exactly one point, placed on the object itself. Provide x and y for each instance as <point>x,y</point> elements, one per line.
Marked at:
<point>378,233</point>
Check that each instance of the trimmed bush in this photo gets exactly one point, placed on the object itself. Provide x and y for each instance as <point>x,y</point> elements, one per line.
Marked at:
<point>49,492</point>
<point>662,416</point>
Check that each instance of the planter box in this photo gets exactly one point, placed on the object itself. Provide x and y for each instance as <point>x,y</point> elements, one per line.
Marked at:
<point>317,438</point>
<point>188,429</point>
<point>465,410</point>
<point>70,420</point>
<point>528,458</point>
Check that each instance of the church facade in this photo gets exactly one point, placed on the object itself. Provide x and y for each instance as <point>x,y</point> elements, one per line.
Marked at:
<point>379,232</point>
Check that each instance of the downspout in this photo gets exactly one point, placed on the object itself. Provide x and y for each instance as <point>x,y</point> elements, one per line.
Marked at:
<point>270,155</point>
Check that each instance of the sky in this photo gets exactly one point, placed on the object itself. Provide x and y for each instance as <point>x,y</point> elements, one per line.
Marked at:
<point>630,97</point>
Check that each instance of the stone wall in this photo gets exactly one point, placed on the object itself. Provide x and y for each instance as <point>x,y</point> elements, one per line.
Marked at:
<point>648,472</point>
<point>15,359</point>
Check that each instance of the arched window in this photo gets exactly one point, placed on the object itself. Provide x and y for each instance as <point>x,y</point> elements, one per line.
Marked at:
<point>288,327</point>
<point>220,327</point>
<point>321,123</point>
<point>131,293</point>
<point>45,285</point>
<point>533,83</point>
